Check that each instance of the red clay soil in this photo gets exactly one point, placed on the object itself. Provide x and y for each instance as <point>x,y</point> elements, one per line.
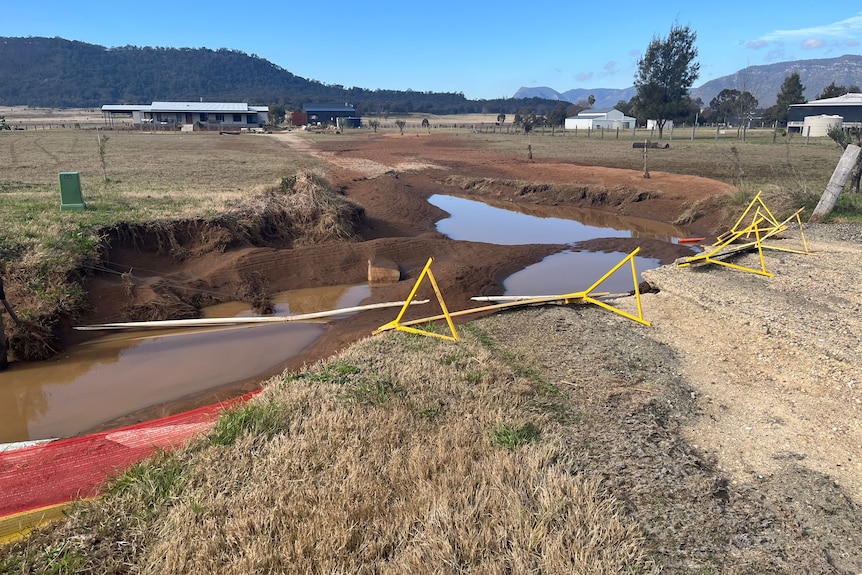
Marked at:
<point>391,177</point>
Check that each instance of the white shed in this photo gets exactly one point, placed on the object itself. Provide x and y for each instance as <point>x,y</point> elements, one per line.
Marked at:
<point>596,120</point>
<point>653,125</point>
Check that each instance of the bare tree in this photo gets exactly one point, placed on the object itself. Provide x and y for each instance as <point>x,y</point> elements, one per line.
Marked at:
<point>103,143</point>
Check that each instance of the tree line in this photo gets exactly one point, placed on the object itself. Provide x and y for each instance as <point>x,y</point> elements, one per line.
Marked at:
<point>59,73</point>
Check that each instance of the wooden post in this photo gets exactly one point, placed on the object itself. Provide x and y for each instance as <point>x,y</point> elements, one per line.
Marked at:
<point>4,360</point>
<point>836,182</point>
<point>646,156</point>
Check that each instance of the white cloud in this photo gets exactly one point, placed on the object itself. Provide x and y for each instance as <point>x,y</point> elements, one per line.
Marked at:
<point>841,29</point>
<point>812,43</point>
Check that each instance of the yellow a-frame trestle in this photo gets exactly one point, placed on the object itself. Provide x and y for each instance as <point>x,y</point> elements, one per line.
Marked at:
<point>587,296</point>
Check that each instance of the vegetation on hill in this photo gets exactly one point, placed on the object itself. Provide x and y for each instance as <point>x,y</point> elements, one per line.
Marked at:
<point>58,73</point>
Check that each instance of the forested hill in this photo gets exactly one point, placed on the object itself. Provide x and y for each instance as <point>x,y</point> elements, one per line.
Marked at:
<point>59,73</point>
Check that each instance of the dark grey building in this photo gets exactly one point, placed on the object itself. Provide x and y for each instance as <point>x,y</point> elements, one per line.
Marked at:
<point>848,106</point>
<point>324,114</point>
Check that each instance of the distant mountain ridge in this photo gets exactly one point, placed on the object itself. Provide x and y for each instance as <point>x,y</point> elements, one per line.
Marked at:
<point>764,82</point>
<point>59,73</point>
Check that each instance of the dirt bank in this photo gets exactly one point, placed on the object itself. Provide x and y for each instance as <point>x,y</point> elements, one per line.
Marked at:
<point>390,177</point>
<point>729,428</point>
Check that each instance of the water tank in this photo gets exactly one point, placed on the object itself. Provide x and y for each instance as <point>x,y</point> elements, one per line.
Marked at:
<point>818,126</point>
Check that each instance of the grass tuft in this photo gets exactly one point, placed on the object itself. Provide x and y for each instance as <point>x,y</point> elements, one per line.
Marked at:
<point>253,418</point>
<point>153,479</point>
<point>511,437</point>
<point>376,391</point>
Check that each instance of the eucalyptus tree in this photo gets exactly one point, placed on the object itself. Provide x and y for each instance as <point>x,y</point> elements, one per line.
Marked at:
<point>664,75</point>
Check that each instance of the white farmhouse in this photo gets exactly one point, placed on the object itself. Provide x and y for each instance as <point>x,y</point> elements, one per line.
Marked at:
<point>210,115</point>
<point>597,119</point>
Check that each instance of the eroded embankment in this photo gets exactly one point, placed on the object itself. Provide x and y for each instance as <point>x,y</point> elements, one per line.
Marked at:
<point>153,270</point>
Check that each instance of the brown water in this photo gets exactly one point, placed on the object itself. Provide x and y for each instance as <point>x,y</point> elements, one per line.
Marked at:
<point>119,373</point>
<point>564,272</point>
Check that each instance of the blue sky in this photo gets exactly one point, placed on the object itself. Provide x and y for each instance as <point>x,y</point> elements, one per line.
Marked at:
<point>485,49</point>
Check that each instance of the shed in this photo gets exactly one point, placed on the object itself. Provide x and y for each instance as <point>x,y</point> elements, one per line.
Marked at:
<point>848,106</point>
<point>323,114</point>
<point>597,119</point>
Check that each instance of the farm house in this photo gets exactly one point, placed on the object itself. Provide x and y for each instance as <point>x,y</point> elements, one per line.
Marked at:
<point>848,107</point>
<point>203,114</point>
<point>596,119</point>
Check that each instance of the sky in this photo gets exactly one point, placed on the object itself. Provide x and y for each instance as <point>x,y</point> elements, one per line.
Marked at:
<point>483,48</point>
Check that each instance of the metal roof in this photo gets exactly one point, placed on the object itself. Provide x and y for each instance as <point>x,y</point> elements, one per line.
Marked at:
<point>328,108</point>
<point>853,99</point>
<point>123,107</point>
<point>198,107</point>
<point>186,107</point>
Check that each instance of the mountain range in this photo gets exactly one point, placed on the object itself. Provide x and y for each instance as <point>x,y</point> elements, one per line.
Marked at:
<point>764,82</point>
<point>54,72</point>
<point>60,73</point>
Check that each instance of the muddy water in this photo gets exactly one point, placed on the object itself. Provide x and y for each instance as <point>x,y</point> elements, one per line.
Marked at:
<point>567,271</point>
<point>123,372</point>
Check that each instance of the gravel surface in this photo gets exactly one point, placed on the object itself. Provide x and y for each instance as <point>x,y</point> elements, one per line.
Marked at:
<point>731,426</point>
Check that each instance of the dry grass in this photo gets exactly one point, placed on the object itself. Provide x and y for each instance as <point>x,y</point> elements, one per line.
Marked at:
<point>410,482</point>
<point>159,177</point>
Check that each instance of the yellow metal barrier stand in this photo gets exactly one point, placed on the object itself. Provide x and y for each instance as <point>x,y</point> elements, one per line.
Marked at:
<point>710,257</point>
<point>584,296</point>
<point>405,326</point>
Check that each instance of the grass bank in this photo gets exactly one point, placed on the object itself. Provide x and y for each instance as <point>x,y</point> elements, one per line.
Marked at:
<point>405,454</point>
<point>148,179</point>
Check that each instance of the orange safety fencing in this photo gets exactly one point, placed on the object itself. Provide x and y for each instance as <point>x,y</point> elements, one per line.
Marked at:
<point>64,470</point>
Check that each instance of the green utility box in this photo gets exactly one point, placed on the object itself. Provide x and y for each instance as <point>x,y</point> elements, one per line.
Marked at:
<point>70,192</point>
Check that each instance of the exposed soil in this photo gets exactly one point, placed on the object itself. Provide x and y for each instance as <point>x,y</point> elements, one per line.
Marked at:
<point>391,177</point>
<point>732,422</point>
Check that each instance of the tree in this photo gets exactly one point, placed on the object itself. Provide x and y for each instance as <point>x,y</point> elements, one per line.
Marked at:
<point>831,91</point>
<point>103,148</point>
<point>426,125</point>
<point>526,119</point>
<point>731,105</point>
<point>626,108</point>
<point>276,114</point>
<point>501,119</point>
<point>3,124</point>
<point>665,74</point>
<point>401,124</point>
<point>790,93</point>
<point>557,116</point>
<point>374,124</point>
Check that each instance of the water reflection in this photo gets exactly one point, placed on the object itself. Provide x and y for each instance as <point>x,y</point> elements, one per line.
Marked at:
<point>560,273</point>
<point>508,223</point>
<point>568,272</point>
<point>122,372</point>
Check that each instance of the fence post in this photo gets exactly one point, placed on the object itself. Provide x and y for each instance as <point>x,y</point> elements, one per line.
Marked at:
<point>836,182</point>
